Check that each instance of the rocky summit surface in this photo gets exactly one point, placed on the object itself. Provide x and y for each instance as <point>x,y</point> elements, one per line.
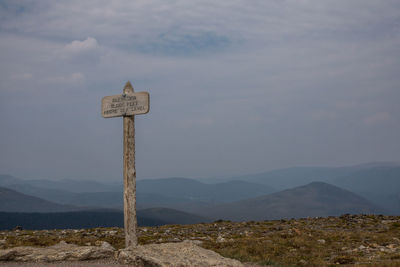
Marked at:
<point>360,240</point>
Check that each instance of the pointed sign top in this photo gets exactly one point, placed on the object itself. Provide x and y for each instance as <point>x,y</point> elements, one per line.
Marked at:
<point>128,88</point>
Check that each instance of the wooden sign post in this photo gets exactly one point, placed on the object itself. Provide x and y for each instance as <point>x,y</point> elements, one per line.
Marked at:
<point>128,105</point>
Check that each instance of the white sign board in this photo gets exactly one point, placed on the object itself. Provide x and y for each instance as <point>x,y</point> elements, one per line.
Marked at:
<point>125,104</point>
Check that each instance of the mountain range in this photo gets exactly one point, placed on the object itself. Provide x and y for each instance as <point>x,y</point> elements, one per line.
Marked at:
<point>171,192</point>
<point>285,193</point>
<point>13,201</point>
<point>316,199</point>
<point>378,182</point>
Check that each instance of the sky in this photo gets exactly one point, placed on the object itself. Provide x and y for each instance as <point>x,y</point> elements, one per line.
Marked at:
<point>236,87</point>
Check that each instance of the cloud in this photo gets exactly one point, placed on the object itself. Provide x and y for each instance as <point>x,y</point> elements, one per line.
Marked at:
<point>78,52</point>
<point>377,118</point>
<point>77,47</point>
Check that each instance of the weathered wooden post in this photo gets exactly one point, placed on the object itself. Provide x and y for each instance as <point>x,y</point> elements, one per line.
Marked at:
<point>128,105</point>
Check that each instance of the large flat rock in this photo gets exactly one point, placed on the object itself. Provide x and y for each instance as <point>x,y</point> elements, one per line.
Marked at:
<point>183,254</point>
<point>59,252</point>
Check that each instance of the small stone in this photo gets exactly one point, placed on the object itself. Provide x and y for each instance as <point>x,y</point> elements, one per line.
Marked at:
<point>303,262</point>
<point>220,239</point>
<point>107,246</point>
<point>112,233</point>
<point>297,231</point>
<point>362,247</point>
<point>321,241</point>
<point>374,245</point>
<point>391,246</point>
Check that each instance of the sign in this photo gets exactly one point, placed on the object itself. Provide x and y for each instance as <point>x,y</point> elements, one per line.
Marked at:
<point>125,105</point>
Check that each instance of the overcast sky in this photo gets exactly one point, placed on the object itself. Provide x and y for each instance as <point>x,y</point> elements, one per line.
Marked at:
<point>236,87</point>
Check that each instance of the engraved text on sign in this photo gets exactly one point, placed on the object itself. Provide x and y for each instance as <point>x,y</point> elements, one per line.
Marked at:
<point>125,105</point>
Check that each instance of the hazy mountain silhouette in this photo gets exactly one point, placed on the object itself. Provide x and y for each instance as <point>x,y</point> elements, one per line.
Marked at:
<point>68,185</point>
<point>197,191</point>
<point>291,177</point>
<point>315,199</point>
<point>379,182</point>
<point>14,201</point>
<point>171,192</point>
<point>36,213</point>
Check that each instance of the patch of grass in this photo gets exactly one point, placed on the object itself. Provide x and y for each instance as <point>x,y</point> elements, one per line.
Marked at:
<point>395,256</point>
<point>344,260</point>
<point>396,225</point>
<point>384,264</point>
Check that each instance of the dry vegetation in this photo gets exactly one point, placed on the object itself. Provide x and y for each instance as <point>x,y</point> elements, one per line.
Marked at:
<point>363,240</point>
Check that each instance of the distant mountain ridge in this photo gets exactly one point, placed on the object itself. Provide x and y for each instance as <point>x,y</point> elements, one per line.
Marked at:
<point>170,192</point>
<point>69,185</point>
<point>295,176</point>
<point>13,201</point>
<point>195,190</point>
<point>312,200</point>
<point>379,183</point>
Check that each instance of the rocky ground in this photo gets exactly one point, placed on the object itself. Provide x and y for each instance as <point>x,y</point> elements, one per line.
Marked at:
<point>362,240</point>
